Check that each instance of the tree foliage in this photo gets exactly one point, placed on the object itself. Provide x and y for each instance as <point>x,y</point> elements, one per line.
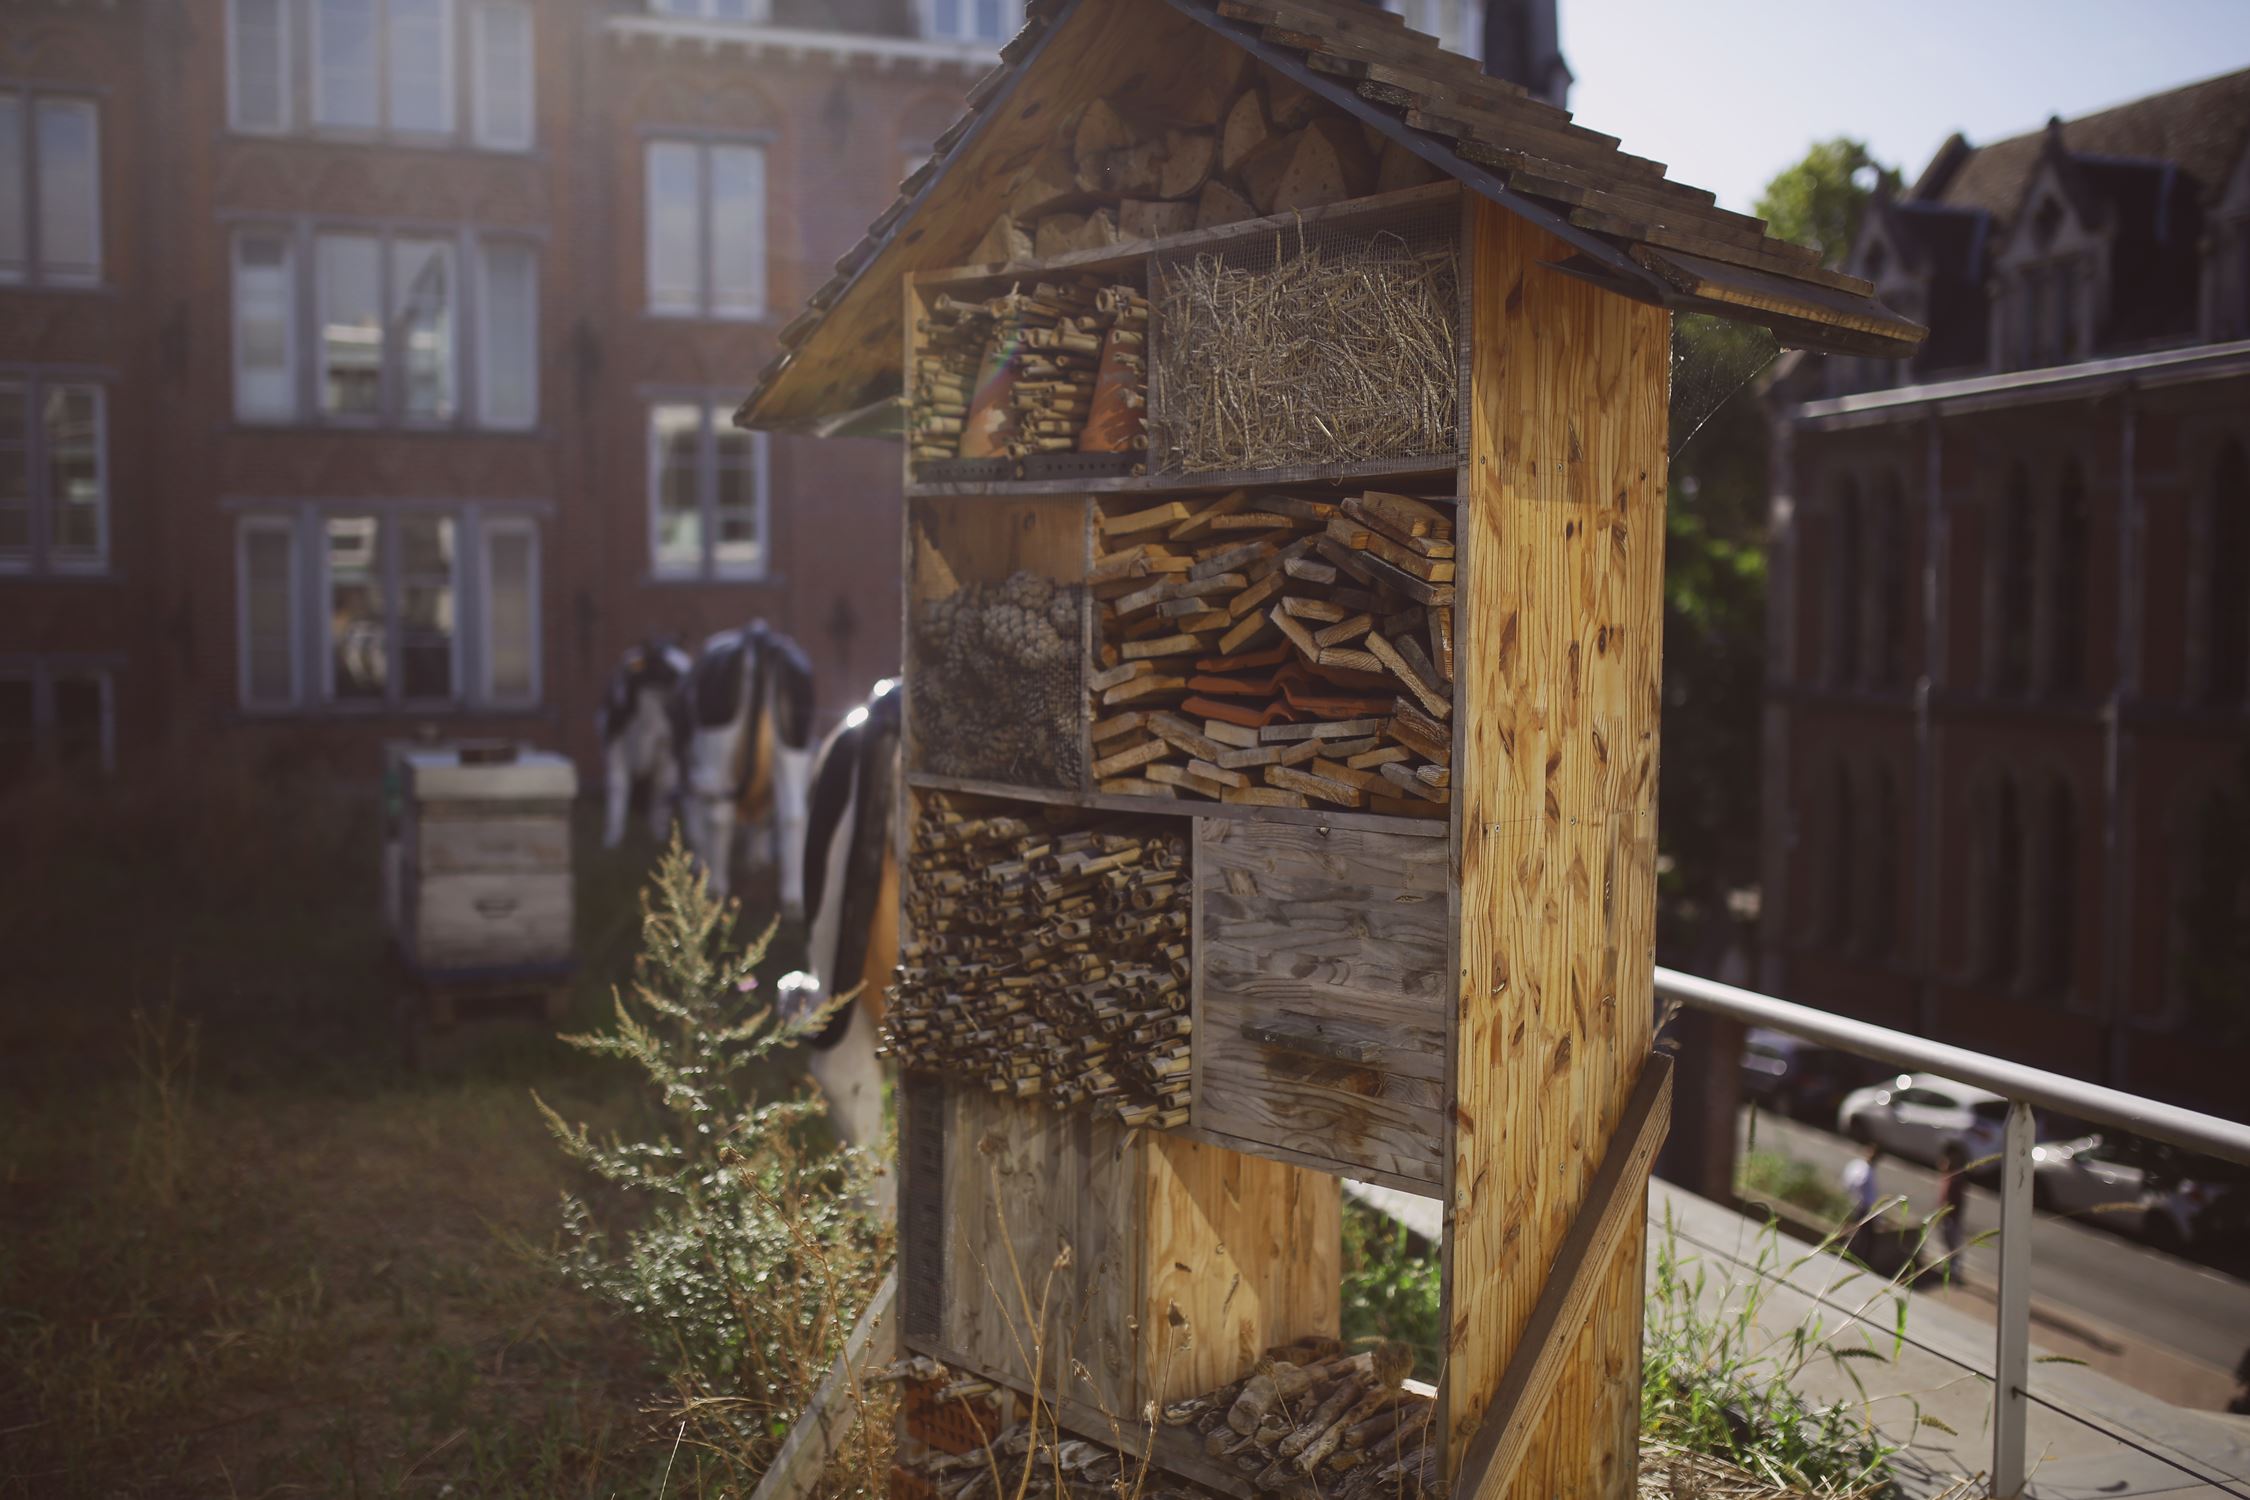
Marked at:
<point>1819,200</point>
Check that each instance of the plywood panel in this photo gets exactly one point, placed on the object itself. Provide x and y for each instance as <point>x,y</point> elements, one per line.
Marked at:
<point>1322,986</point>
<point>1242,1254</point>
<point>1559,705</point>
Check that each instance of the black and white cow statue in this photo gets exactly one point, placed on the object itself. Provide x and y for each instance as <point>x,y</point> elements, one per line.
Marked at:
<point>635,720</point>
<point>851,903</point>
<point>742,726</point>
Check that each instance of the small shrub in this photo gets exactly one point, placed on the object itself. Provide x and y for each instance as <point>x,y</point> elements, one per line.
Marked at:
<point>755,1251</point>
<point>1774,1177</point>
<point>1391,1286</point>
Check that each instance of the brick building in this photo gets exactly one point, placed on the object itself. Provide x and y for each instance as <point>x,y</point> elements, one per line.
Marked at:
<point>364,364</point>
<point>2009,700</point>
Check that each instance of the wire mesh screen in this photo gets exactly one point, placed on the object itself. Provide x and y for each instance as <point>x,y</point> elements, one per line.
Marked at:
<point>1309,347</point>
<point>921,1209</point>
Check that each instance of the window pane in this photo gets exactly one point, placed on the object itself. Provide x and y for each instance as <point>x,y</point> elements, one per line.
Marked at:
<point>15,477</point>
<point>260,65</point>
<point>268,611</point>
<point>71,416</point>
<point>80,704</point>
<point>945,17</point>
<point>988,20</point>
<point>18,728</point>
<point>351,324</point>
<point>504,74</point>
<point>508,361</point>
<point>426,620</point>
<point>510,613</point>
<point>421,65</point>
<point>344,63</point>
<point>675,440</point>
<point>69,174</point>
<point>736,546</point>
<point>422,307</point>
<point>738,238</point>
<point>359,650</point>
<point>14,219</point>
<point>675,266</point>
<point>265,375</point>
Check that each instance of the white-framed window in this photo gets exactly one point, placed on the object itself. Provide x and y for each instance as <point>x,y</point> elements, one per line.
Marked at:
<point>398,608</point>
<point>1457,24</point>
<point>56,712</point>
<point>50,189</point>
<point>505,67</point>
<point>757,12</point>
<point>54,474</point>
<point>393,322</point>
<point>706,228</point>
<point>707,510</point>
<point>389,68</point>
<point>992,21</point>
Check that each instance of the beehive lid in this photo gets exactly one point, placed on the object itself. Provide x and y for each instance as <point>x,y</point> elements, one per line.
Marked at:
<point>457,773</point>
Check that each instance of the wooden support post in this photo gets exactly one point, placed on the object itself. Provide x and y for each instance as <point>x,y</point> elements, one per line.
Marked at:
<point>1563,525</point>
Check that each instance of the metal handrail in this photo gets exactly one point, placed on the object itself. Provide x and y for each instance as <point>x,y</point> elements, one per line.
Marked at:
<point>2022,1087</point>
<point>1914,1054</point>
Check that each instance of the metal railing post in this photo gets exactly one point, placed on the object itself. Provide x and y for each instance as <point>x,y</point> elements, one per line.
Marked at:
<point>2011,1354</point>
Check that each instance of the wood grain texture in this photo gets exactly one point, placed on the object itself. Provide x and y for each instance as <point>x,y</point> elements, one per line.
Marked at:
<point>1321,992</point>
<point>1558,703</point>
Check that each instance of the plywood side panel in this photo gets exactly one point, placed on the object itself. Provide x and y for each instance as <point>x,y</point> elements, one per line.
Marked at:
<point>1561,624</point>
<point>1242,1253</point>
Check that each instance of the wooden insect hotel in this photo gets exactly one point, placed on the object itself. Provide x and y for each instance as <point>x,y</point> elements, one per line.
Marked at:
<point>1285,415</point>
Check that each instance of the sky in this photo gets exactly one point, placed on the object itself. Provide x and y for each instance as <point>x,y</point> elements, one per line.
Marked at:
<point>1729,92</point>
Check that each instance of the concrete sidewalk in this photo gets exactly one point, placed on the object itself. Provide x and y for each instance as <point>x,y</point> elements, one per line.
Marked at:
<point>2090,1436</point>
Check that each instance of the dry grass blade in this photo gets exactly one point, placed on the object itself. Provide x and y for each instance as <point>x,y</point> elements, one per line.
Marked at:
<point>1336,348</point>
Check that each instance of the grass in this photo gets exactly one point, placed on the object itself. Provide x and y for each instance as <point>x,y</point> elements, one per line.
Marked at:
<point>1772,1176</point>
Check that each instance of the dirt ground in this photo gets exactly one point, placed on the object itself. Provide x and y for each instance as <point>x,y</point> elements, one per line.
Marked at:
<point>245,1248</point>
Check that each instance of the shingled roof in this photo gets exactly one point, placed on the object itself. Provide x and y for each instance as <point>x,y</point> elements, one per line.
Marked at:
<point>1627,226</point>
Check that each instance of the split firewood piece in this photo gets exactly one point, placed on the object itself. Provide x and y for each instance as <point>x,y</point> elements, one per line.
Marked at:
<point>1420,733</point>
<point>1334,729</point>
<point>1317,511</point>
<point>1360,537</point>
<point>1219,205</point>
<point>1344,750</point>
<point>1260,172</point>
<point>1140,689</point>
<point>1388,525</point>
<point>1348,659</point>
<point>1441,642</point>
<point>1413,785</point>
<point>1164,645</point>
<point>1320,610</point>
<point>1425,691</point>
<point>1189,156</point>
<point>1344,630</point>
<point>1155,518</point>
<point>1177,731</point>
<point>1368,760</point>
<point>1367,781</point>
<point>1114,725</point>
<point>1417,658</point>
<point>1186,780</point>
<point>1234,735</point>
<point>1321,788</point>
<point>1243,131</point>
<point>1289,626</point>
<point>1301,752</point>
<point>1256,595</point>
<point>1289,104</point>
<point>1244,633</point>
<point>1153,219</point>
<point>1217,775</point>
<point>1317,1436</point>
<point>1273,1382</point>
<point>1419,517</point>
<point>1200,520</point>
<point>1439,776</point>
<point>1307,570</point>
<point>1265,796</point>
<point>1233,557</point>
<point>1381,573</point>
<point>1048,181</point>
<point>1101,127</point>
<point>1329,164</point>
<point>1005,243</point>
<point>1398,169</point>
<point>1135,171</point>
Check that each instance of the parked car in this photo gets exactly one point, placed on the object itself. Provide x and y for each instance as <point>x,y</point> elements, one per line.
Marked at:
<point>1917,1114</point>
<point>2194,1205</point>
<point>2089,1177</point>
<point>1793,1077</point>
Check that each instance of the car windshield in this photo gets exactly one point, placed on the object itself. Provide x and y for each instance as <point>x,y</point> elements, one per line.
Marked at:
<point>1994,1110</point>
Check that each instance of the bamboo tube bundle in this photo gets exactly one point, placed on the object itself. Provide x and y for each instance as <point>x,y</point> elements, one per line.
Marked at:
<point>1036,994</point>
<point>953,339</point>
<point>1309,1417</point>
<point>1275,651</point>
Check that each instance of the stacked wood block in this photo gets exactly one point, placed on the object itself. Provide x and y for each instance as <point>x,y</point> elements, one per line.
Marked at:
<point>996,693</point>
<point>1234,152</point>
<point>1277,652</point>
<point>1311,1419</point>
<point>1057,369</point>
<point>1049,958</point>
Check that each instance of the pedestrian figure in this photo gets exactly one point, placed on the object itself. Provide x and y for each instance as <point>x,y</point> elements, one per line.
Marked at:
<point>1860,1188</point>
<point>1953,1203</point>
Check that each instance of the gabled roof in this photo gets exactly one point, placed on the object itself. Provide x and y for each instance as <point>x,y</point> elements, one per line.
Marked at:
<point>1629,228</point>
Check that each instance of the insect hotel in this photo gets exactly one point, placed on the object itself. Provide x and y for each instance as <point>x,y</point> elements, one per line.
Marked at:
<point>1285,414</point>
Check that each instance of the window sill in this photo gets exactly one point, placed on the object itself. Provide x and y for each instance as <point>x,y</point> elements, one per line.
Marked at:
<point>696,315</point>
<point>87,573</point>
<point>332,425</point>
<point>712,580</point>
<point>347,713</point>
<point>95,288</point>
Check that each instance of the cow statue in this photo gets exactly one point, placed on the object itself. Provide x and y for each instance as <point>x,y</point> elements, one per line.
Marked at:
<point>851,900</point>
<point>635,721</point>
<point>742,727</point>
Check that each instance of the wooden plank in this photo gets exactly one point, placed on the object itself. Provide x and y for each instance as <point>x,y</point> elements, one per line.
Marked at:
<point>1319,817</point>
<point>803,1457</point>
<point>1339,939</point>
<point>1616,1201</point>
<point>1557,702</point>
<point>1767,291</point>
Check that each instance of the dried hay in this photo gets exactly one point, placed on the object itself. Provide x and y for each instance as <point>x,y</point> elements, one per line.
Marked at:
<point>1670,1472</point>
<point>1344,350</point>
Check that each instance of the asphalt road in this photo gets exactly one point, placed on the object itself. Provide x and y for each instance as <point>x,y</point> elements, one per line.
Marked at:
<point>2075,1267</point>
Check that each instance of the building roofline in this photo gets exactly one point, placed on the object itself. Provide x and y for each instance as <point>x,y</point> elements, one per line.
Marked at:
<point>839,46</point>
<point>2029,387</point>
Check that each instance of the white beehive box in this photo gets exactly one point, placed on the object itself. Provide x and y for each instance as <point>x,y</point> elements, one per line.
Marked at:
<point>486,878</point>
